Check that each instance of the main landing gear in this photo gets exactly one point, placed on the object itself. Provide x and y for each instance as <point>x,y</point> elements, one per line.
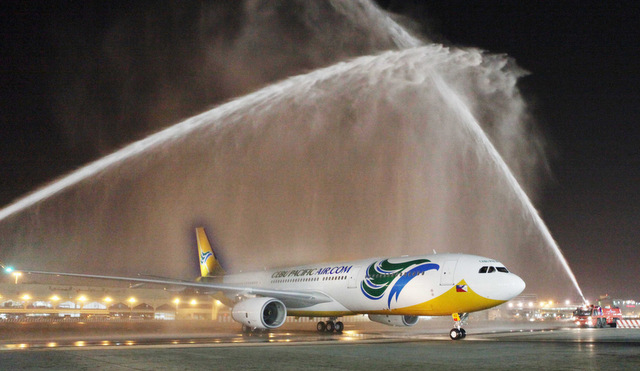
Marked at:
<point>250,331</point>
<point>330,326</point>
<point>457,332</point>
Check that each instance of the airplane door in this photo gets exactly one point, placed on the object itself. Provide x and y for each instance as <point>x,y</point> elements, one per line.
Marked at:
<point>446,276</point>
<point>352,282</point>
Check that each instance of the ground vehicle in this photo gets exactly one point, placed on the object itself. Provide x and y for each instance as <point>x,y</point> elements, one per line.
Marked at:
<point>595,316</point>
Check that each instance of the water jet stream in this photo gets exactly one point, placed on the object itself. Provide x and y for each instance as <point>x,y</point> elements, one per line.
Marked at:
<point>171,133</point>
<point>476,132</point>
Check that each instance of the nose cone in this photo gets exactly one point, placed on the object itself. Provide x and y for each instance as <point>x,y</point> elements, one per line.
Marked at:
<point>499,286</point>
<point>515,286</point>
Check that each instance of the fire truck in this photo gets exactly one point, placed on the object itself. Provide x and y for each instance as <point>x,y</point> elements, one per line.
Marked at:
<point>596,316</point>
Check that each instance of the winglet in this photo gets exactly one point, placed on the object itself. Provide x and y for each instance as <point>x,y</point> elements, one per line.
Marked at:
<point>209,265</point>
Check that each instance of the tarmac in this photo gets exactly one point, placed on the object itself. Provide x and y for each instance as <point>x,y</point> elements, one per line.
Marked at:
<point>363,346</point>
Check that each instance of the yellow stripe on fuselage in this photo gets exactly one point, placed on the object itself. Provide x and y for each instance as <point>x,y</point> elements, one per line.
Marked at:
<point>446,304</point>
<point>449,302</point>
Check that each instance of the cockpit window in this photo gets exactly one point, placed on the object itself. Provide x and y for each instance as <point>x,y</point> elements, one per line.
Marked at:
<point>487,269</point>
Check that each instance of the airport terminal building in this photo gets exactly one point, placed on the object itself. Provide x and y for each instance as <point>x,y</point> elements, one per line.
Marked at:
<point>38,301</point>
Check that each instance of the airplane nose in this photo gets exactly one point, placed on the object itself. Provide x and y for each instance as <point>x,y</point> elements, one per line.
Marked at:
<point>516,285</point>
<point>509,287</point>
<point>500,286</point>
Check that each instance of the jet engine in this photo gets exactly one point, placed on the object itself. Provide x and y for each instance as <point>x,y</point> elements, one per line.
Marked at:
<point>260,313</point>
<point>394,320</point>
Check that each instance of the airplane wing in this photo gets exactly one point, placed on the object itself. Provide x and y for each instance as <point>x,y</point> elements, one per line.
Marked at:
<point>292,299</point>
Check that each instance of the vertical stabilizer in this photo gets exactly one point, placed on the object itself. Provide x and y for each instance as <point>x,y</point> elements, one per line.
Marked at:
<point>209,265</point>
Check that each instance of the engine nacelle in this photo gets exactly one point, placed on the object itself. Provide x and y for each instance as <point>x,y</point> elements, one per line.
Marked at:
<point>261,313</point>
<point>394,320</point>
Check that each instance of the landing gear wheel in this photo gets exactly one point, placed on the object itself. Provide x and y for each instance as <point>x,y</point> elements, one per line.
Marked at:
<point>339,327</point>
<point>455,334</point>
<point>321,326</point>
<point>331,327</point>
<point>246,329</point>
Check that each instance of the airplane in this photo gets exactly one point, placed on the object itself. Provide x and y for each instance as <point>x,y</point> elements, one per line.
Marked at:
<point>392,291</point>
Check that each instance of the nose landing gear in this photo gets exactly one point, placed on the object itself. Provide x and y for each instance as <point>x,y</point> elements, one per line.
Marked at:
<point>457,332</point>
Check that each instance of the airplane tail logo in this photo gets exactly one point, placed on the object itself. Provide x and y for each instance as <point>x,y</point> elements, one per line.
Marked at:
<point>204,256</point>
<point>209,265</point>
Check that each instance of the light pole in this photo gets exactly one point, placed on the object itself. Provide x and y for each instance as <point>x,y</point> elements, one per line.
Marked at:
<point>194,314</point>
<point>131,301</point>
<point>26,298</point>
<point>54,299</point>
<point>82,299</point>
<point>107,302</point>
<point>214,309</point>
<point>16,275</point>
<point>177,301</point>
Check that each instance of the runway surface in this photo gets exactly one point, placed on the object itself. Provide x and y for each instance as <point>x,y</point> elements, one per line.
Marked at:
<point>362,346</point>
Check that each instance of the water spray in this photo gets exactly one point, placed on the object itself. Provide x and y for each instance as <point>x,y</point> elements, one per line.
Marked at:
<point>475,130</point>
<point>260,127</point>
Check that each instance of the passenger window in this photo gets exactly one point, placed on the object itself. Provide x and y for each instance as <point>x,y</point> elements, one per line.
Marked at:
<point>491,270</point>
<point>502,269</point>
<point>483,270</point>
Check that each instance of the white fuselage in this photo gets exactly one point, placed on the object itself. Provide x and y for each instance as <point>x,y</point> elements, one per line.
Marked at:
<point>438,284</point>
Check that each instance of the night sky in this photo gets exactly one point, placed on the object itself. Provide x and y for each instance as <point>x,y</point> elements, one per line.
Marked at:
<point>583,90</point>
